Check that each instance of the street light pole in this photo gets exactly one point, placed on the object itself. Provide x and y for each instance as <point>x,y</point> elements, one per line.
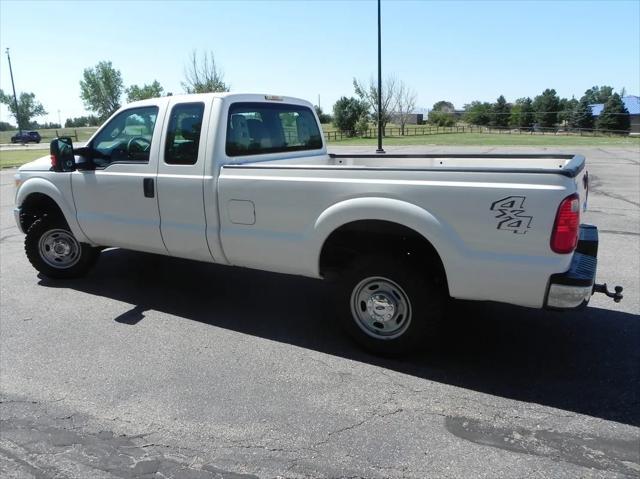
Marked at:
<point>379,150</point>
<point>15,98</point>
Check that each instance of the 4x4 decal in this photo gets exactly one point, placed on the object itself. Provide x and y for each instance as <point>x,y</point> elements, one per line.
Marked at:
<point>512,214</point>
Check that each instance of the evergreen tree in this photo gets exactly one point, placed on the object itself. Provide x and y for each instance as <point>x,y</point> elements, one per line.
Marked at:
<point>567,109</point>
<point>615,115</point>
<point>598,94</point>
<point>582,116</point>
<point>522,113</point>
<point>501,110</point>
<point>547,106</point>
<point>477,113</point>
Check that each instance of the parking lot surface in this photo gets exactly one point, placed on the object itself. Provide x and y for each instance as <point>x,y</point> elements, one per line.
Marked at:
<point>160,367</point>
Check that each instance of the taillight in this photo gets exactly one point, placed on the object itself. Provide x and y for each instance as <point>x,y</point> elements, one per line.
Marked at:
<point>567,226</point>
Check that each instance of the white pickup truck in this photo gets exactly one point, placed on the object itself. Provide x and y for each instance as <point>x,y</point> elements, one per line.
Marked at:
<point>245,180</point>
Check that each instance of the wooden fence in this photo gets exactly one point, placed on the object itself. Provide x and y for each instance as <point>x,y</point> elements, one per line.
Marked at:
<point>439,130</point>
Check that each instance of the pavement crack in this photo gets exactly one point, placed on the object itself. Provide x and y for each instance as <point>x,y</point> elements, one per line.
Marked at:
<point>356,425</point>
<point>17,401</point>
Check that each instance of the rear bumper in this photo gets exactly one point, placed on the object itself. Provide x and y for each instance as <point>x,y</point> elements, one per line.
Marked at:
<point>573,288</point>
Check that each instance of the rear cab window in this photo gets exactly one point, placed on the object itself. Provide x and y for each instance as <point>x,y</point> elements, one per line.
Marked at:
<point>260,128</point>
<point>183,134</point>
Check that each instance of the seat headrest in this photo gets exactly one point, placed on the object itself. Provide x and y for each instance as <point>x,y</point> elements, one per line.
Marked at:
<point>304,132</point>
<point>190,128</point>
<point>240,130</point>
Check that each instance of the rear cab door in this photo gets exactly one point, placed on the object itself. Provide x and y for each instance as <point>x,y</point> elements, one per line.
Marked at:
<point>181,177</point>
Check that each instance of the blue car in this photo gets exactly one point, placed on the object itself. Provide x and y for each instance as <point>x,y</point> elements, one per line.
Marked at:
<point>26,137</point>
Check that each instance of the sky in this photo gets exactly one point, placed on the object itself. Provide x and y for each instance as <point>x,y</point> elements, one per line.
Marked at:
<point>458,51</point>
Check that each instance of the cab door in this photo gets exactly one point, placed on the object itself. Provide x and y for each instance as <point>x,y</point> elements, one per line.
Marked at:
<point>116,204</point>
<point>181,179</point>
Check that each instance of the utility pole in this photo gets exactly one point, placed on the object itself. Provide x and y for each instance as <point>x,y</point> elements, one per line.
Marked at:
<point>59,119</point>
<point>379,150</point>
<point>15,98</point>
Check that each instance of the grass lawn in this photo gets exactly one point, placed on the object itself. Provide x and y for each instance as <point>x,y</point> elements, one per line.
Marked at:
<point>11,158</point>
<point>493,139</point>
<point>47,135</point>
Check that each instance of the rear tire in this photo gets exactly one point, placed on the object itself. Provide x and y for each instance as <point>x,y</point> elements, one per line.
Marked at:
<point>53,250</point>
<point>390,306</point>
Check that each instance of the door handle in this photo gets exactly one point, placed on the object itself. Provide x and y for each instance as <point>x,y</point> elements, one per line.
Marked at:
<point>147,186</point>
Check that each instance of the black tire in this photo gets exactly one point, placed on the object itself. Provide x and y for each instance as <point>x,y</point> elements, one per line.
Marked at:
<point>41,234</point>
<point>419,286</point>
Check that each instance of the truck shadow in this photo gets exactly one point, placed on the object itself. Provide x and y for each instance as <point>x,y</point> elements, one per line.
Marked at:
<point>587,362</point>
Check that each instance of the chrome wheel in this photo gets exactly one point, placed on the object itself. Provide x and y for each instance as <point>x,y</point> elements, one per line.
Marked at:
<point>59,249</point>
<point>381,308</point>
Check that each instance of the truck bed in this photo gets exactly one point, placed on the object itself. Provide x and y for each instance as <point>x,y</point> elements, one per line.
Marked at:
<point>562,164</point>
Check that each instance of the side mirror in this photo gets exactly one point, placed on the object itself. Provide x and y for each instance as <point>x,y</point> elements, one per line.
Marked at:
<point>62,158</point>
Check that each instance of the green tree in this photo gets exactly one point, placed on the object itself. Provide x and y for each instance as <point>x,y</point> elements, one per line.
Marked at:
<point>322,116</point>
<point>4,126</point>
<point>28,108</point>
<point>347,112</point>
<point>582,116</point>
<point>443,105</point>
<point>477,113</point>
<point>598,94</point>
<point>81,121</point>
<point>204,75</point>
<point>522,113</point>
<point>615,115</point>
<point>441,118</point>
<point>442,114</point>
<point>101,88</point>
<point>567,109</point>
<point>546,107</point>
<point>369,95</point>
<point>153,90</point>
<point>362,125</point>
<point>500,113</point>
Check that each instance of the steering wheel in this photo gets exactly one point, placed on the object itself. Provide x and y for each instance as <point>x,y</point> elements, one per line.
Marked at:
<point>138,144</point>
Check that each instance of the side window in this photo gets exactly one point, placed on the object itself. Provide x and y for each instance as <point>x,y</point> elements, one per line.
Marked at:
<point>255,128</point>
<point>127,137</point>
<point>183,134</point>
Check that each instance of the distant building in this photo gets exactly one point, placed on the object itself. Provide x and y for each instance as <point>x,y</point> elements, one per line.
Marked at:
<point>631,103</point>
<point>412,119</point>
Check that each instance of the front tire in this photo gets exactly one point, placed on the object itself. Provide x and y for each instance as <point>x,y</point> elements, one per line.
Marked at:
<point>53,250</point>
<point>391,307</point>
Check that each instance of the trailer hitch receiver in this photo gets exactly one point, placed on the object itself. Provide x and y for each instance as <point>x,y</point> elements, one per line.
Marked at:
<point>602,288</point>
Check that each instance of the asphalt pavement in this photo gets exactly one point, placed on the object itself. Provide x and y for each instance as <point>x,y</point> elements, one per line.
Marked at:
<point>158,367</point>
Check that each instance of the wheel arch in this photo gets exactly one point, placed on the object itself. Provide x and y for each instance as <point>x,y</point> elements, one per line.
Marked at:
<point>37,197</point>
<point>372,222</point>
<point>36,205</point>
